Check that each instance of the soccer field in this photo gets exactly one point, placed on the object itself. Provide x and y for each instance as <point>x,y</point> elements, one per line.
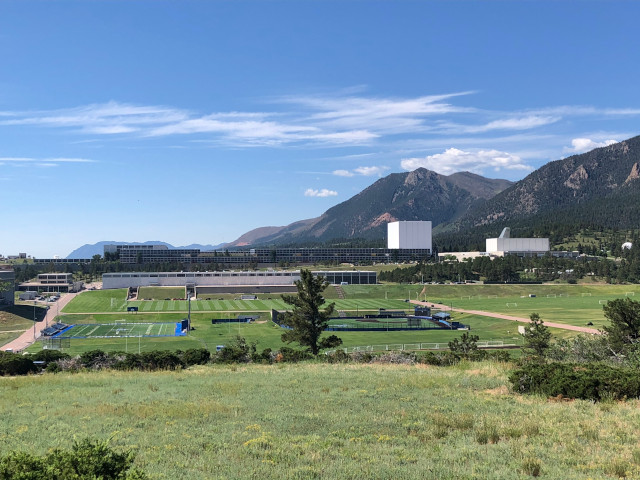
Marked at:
<point>122,330</point>
<point>160,293</point>
<point>115,301</point>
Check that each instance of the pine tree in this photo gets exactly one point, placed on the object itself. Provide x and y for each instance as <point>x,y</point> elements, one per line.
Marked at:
<point>537,337</point>
<point>306,320</point>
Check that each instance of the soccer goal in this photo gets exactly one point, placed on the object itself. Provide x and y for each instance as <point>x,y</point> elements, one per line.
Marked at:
<point>551,295</point>
<point>629,294</point>
<point>512,305</point>
<point>563,295</point>
<point>602,302</point>
<point>492,296</point>
<point>585,294</point>
<point>468,297</point>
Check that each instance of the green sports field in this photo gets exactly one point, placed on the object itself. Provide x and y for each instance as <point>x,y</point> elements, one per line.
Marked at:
<point>160,293</point>
<point>115,301</point>
<point>120,330</point>
<point>571,304</point>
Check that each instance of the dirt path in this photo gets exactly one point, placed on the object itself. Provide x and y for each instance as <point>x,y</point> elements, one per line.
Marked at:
<point>510,317</point>
<point>31,334</point>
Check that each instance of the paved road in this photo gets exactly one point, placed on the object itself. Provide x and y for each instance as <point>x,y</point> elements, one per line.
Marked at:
<point>27,338</point>
<point>510,317</point>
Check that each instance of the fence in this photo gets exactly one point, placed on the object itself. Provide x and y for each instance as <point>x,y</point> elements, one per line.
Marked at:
<point>401,347</point>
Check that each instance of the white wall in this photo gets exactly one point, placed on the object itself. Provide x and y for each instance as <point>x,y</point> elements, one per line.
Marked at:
<point>171,279</point>
<point>517,244</point>
<point>405,235</point>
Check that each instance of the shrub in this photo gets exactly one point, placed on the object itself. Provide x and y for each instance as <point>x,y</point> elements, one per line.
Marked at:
<point>498,355</point>
<point>266,356</point>
<point>85,461</point>
<point>155,360</point>
<point>588,382</point>
<point>580,349</point>
<point>160,360</point>
<point>14,364</point>
<point>53,367</point>
<point>97,360</point>
<point>238,351</point>
<point>49,355</point>
<point>287,354</point>
<point>361,357</point>
<point>398,358</point>
<point>339,356</point>
<point>196,356</point>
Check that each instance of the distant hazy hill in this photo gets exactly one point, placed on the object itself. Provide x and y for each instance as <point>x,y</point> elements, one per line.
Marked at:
<point>417,195</point>
<point>88,251</point>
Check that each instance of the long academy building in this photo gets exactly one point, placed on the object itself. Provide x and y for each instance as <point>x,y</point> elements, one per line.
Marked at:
<point>231,282</point>
<point>406,242</point>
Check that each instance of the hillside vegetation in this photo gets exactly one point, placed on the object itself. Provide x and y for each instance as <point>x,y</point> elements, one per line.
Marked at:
<point>347,422</point>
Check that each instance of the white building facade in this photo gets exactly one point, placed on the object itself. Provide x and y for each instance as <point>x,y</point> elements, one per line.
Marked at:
<point>408,235</point>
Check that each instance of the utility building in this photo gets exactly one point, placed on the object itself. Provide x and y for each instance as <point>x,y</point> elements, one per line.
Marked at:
<point>409,235</point>
<point>504,244</point>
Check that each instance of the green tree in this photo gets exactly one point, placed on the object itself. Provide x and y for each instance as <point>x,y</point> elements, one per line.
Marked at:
<point>306,320</point>
<point>624,315</point>
<point>537,337</point>
<point>465,345</point>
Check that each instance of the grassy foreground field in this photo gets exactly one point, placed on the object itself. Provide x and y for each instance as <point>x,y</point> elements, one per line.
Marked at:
<point>324,421</point>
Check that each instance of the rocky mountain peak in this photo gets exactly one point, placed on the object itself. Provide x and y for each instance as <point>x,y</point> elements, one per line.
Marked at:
<point>635,173</point>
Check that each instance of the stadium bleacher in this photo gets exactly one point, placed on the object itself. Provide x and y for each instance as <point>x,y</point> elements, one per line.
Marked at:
<point>54,329</point>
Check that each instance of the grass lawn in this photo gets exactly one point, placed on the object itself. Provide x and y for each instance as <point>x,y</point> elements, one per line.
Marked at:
<point>115,301</point>
<point>15,320</point>
<point>570,304</point>
<point>267,334</point>
<point>160,293</point>
<point>98,301</point>
<point>324,421</point>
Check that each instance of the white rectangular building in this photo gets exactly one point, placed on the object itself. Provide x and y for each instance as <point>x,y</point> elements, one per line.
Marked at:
<point>405,235</point>
<point>505,244</point>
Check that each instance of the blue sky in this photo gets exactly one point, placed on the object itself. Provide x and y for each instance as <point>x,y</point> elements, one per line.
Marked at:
<point>196,121</point>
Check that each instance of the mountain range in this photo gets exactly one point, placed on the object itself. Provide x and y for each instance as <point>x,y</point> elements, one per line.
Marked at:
<point>89,250</point>
<point>418,195</point>
<point>599,189</point>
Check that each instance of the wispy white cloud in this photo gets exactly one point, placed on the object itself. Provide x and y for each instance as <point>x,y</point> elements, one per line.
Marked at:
<point>103,119</point>
<point>364,171</point>
<point>41,162</point>
<point>310,192</point>
<point>454,160</point>
<point>346,118</point>
<point>581,145</point>
<point>509,123</point>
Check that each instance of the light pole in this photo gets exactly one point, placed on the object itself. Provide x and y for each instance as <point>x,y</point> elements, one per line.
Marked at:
<point>34,320</point>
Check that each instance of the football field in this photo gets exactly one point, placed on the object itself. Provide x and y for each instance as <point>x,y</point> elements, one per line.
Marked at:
<point>122,330</point>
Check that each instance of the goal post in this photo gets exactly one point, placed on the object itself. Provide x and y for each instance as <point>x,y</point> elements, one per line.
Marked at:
<point>629,294</point>
<point>551,295</point>
<point>585,294</point>
<point>512,304</point>
<point>602,302</point>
